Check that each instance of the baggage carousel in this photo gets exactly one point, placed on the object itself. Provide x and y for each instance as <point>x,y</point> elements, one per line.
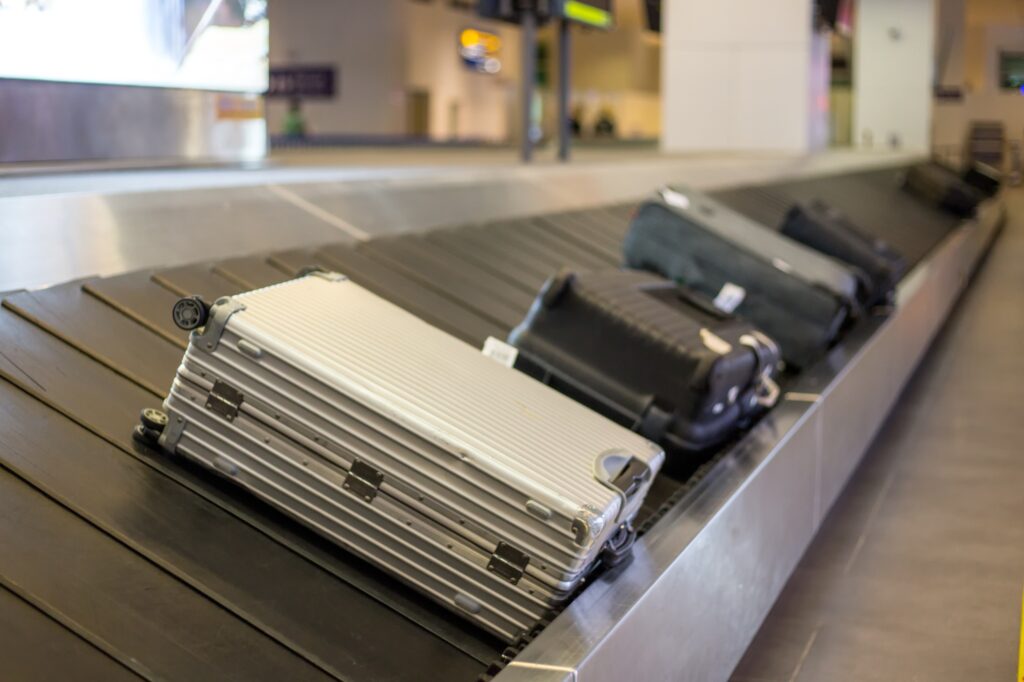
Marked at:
<point>120,562</point>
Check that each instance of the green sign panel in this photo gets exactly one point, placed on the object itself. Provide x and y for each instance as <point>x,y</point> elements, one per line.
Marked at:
<point>597,13</point>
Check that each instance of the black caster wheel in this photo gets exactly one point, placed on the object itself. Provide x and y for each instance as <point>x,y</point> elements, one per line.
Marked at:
<point>152,418</point>
<point>145,436</point>
<point>618,548</point>
<point>190,313</point>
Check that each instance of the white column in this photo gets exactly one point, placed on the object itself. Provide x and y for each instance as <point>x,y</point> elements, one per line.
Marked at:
<point>736,75</point>
<point>893,74</point>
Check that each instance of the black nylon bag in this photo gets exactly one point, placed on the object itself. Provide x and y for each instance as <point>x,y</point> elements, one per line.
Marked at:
<point>804,319</point>
<point>648,354</point>
<point>828,230</point>
<point>942,188</point>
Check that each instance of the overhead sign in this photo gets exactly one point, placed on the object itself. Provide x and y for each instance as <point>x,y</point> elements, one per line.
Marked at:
<point>596,13</point>
<point>308,81</point>
<point>479,50</point>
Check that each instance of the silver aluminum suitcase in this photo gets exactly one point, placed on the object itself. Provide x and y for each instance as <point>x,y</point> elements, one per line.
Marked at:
<point>476,484</point>
<point>784,253</point>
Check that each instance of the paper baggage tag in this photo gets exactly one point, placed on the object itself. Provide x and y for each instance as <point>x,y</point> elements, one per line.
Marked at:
<point>500,352</point>
<point>730,297</point>
<point>675,199</point>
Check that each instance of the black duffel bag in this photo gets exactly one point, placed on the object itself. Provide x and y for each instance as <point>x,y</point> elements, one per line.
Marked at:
<point>802,317</point>
<point>828,230</point>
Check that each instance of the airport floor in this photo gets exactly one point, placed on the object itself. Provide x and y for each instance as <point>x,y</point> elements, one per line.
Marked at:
<point>918,570</point>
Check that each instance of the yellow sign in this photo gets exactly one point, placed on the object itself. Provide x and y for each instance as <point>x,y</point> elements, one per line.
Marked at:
<point>479,49</point>
<point>239,107</point>
<point>471,38</point>
<point>587,14</point>
<point>1020,666</point>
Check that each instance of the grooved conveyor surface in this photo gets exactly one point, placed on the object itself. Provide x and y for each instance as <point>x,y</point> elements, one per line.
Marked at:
<point>118,562</point>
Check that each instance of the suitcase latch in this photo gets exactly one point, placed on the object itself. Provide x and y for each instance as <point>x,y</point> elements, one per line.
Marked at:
<point>508,562</point>
<point>363,480</point>
<point>632,476</point>
<point>224,400</point>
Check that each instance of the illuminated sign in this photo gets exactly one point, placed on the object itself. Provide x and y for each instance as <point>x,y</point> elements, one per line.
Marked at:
<point>597,13</point>
<point>317,82</point>
<point>479,50</point>
<point>197,44</point>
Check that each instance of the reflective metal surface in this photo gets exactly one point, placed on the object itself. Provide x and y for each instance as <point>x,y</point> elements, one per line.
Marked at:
<point>77,121</point>
<point>52,239</point>
<point>66,227</point>
<point>705,576</point>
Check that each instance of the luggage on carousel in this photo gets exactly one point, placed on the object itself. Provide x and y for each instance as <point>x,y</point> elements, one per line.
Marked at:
<point>797,297</point>
<point>942,188</point>
<point>828,230</point>
<point>983,178</point>
<point>650,355</point>
<point>486,490</point>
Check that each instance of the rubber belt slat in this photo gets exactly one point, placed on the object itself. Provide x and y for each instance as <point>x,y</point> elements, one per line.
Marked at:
<point>301,568</point>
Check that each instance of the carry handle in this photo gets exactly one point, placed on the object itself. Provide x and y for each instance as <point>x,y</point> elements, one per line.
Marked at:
<point>623,473</point>
<point>768,393</point>
<point>700,302</point>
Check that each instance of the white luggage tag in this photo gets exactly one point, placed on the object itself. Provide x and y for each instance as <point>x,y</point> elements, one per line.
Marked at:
<point>501,352</point>
<point>730,297</point>
<point>675,199</point>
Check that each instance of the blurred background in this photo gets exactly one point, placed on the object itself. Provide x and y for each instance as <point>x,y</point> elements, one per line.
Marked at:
<point>244,80</point>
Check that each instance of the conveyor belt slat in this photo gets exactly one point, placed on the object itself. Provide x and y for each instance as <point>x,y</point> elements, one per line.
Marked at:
<point>116,596</point>
<point>197,280</point>
<point>234,526</point>
<point>411,295</point>
<point>137,296</point>
<point>102,333</point>
<point>250,272</point>
<point>36,648</point>
<point>408,257</point>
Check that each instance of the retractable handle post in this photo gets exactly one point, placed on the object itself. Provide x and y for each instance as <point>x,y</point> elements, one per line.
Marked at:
<point>564,76</point>
<point>527,10</point>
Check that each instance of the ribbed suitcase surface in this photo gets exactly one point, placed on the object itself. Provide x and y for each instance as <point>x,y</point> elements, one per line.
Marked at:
<point>484,488</point>
<point>649,354</point>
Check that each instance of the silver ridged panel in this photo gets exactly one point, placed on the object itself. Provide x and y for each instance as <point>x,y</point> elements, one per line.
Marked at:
<point>501,420</point>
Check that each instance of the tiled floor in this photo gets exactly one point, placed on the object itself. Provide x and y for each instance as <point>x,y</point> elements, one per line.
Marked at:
<point>917,572</point>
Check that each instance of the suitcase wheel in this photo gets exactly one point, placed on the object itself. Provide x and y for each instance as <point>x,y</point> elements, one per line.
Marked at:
<point>619,547</point>
<point>151,425</point>
<point>153,418</point>
<point>145,435</point>
<point>190,313</point>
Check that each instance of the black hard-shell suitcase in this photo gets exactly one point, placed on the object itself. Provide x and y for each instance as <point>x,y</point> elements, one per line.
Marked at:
<point>822,227</point>
<point>985,179</point>
<point>938,186</point>
<point>982,177</point>
<point>803,318</point>
<point>648,354</point>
